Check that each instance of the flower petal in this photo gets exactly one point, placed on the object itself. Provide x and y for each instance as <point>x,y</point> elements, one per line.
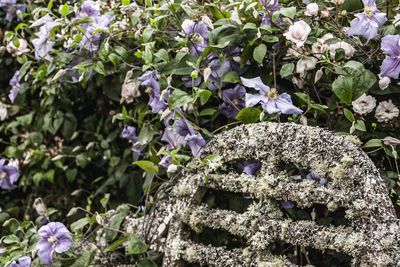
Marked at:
<point>390,68</point>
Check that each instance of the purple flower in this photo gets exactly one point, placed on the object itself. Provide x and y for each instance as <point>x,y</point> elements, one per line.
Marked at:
<point>271,6</point>
<point>157,102</point>
<point>14,82</point>
<point>287,204</point>
<point>43,45</point>
<point>22,262</point>
<point>196,142</point>
<point>391,65</point>
<point>251,167</point>
<point>367,24</point>
<point>91,10</point>
<point>8,176</point>
<point>11,8</point>
<point>270,100</point>
<point>218,70</point>
<point>173,139</point>
<point>233,101</point>
<point>165,161</point>
<point>198,36</point>
<point>129,133</point>
<point>183,128</point>
<point>314,177</point>
<point>54,237</point>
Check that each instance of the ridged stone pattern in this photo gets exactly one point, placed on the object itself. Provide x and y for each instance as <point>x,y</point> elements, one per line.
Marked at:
<point>372,237</point>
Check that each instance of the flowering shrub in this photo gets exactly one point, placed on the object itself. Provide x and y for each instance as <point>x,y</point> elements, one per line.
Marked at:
<point>102,102</point>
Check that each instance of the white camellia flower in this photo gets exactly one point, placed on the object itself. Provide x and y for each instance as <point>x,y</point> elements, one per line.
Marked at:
<point>386,111</point>
<point>298,33</point>
<point>311,10</point>
<point>130,89</point>
<point>305,64</point>
<point>17,51</point>
<point>3,111</point>
<point>364,104</point>
<point>384,82</point>
<point>348,49</point>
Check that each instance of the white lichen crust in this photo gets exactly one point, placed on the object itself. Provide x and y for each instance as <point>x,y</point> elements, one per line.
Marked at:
<point>372,237</point>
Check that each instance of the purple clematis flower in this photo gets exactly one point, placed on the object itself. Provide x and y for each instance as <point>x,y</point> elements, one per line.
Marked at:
<point>8,175</point>
<point>270,100</point>
<point>314,177</point>
<point>90,10</point>
<point>22,262</point>
<point>218,70</point>
<point>196,142</point>
<point>54,237</point>
<point>157,102</point>
<point>367,23</point>
<point>129,133</point>
<point>391,65</point>
<point>251,167</point>
<point>287,204</point>
<point>233,101</point>
<point>11,8</point>
<point>43,44</point>
<point>198,35</point>
<point>182,133</point>
<point>271,6</point>
<point>14,82</point>
<point>165,161</point>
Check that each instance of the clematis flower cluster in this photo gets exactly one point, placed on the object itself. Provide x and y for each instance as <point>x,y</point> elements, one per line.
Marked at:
<point>43,43</point>
<point>9,175</point>
<point>90,11</point>
<point>157,102</point>
<point>182,133</point>
<point>54,238</point>
<point>367,23</point>
<point>12,8</point>
<point>270,100</point>
<point>197,32</point>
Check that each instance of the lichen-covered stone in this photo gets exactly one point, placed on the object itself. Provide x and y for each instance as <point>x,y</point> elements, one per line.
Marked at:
<point>372,238</point>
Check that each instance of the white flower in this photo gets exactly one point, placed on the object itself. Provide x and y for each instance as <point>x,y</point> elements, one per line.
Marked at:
<point>318,75</point>
<point>386,111</point>
<point>396,20</point>
<point>298,33</point>
<point>338,2</point>
<point>319,47</point>
<point>206,20</point>
<point>311,10</point>
<point>384,82</point>
<point>3,111</point>
<point>17,51</point>
<point>305,64</point>
<point>364,104</point>
<point>130,88</point>
<point>348,49</point>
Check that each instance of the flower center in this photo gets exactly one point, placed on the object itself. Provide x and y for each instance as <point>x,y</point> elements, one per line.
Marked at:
<point>368,10</point>
<point>272,94</point>
<point>197,38</point>
<point>235,102</point>
<point>149,90</point>
<point>52,239</point>
<point>3,176</point>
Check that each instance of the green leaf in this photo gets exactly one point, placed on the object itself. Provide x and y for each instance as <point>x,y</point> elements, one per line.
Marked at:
<point>203,95</point>
<point>343,89</point>
<point>99,67</point>
<point>147,166</point>
<point>249,115</point>
<point>349,115</point>
<point>373,143</point>
<point>147,263</point>
<point>259,53</point>
<point>79,224</point>
<point>115,223</point>
<point>179,98</point>
<point>360,125</point>
<point>287,70</point>
<point>63,10</point>
<point>288,12</point>
<point>208,112</point>
<point>126,2</point>
<point>231,77</point>
<point>135,246</point>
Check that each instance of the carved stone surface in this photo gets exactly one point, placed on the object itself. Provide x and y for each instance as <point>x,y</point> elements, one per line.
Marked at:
<point>372,237</point>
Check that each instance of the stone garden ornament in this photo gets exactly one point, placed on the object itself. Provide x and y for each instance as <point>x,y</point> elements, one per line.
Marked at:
<point>371,237</point>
